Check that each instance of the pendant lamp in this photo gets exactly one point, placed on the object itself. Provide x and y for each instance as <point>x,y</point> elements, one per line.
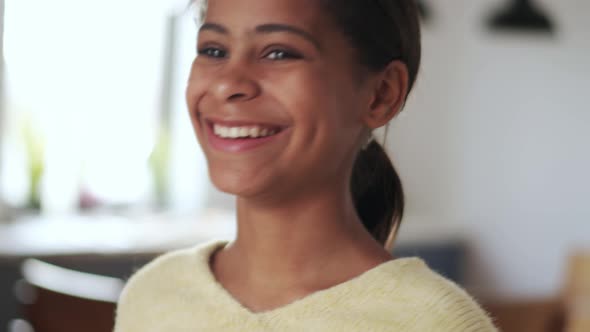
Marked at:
<point>521,15</point>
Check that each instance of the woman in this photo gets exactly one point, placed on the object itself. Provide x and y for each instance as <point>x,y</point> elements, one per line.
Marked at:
<point>284,96</point>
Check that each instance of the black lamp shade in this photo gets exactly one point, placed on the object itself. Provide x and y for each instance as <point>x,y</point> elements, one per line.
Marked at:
<point>521,15</point>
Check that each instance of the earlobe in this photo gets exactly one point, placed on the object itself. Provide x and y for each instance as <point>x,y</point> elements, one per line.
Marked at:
<point>389,95</point>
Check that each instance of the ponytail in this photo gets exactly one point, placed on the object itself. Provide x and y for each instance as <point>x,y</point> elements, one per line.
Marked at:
<point>381,31</point>
<point>377,193</point>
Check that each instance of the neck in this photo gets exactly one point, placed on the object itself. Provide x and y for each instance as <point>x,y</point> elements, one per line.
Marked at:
<point>300,239</point>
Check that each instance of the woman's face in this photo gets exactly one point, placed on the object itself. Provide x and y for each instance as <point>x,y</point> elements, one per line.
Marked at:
<point>275,97</point>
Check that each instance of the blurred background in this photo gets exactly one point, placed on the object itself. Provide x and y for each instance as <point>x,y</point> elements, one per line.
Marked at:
<point>100,170</point>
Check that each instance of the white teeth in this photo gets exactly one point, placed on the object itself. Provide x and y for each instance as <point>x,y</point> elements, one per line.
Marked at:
<point>242,132</point>
<point>254,131</point>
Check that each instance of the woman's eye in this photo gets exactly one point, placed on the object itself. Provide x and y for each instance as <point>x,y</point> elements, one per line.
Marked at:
<point>212,52</point>
<point>282,55</point>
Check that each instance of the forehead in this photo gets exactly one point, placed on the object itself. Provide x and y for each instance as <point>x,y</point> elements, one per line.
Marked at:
<point>238,14</point>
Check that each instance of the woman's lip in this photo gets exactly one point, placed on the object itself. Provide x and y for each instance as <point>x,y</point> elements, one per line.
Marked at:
<point>240,144</point>
<point>242,123</point>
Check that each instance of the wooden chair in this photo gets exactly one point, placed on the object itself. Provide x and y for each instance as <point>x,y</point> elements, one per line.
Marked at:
<point>55,299</point>
<point>540,315</point>
<point>577,293</point>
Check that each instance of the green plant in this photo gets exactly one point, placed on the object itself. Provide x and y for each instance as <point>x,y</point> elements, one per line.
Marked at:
<point>159,164</point>
<point>35,150</point>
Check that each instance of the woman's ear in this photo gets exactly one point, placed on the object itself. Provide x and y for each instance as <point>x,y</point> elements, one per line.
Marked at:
<point>389,95</point>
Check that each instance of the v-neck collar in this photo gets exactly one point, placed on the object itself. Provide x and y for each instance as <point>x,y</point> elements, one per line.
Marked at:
<point>327,296</point>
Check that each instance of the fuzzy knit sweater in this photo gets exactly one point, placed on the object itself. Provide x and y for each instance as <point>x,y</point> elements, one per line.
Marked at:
<point>177,292</point>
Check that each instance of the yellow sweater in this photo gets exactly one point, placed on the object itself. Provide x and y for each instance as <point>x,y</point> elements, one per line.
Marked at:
<point>177,292</point>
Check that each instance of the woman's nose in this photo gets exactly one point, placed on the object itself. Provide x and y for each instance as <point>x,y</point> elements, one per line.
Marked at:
<point>235,85</point>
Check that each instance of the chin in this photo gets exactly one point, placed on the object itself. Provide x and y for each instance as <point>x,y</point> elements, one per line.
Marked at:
<point>234,183</point>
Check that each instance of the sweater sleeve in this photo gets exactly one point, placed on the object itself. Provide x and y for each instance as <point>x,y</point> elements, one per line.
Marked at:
<point>143,302</point>
<point>423,300</point>
<point>459,312</point>
<point>452,309</point>
<point>123,314</point>
<point>131,308</point>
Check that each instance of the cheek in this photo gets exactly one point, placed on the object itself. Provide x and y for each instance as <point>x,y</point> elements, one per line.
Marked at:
<point>325,113</point>
<point>319,100</point>
<point>197,83</point>
<point>313,92</point>
<point>195,90</point>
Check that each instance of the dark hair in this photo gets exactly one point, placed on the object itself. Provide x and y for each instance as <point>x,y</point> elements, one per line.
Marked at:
<point>380,31</point>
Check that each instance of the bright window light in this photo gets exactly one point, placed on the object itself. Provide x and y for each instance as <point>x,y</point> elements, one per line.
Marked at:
<point>86,76</point>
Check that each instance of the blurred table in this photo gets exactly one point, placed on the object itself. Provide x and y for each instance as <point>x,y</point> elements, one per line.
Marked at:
<point>84,235</point>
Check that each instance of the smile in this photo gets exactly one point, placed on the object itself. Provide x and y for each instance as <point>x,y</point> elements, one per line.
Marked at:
<point>238,136</point>
<point>244,131</point>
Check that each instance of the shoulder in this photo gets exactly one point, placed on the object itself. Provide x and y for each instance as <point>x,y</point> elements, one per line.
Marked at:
<point>432,301</point>
<point>174,265</point>
<point>166,279</point>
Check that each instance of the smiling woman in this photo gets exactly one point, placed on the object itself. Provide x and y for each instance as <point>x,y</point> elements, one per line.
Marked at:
<point>283,96</point>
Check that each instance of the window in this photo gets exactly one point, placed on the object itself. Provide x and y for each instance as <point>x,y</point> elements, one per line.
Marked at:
<point>88,85</point>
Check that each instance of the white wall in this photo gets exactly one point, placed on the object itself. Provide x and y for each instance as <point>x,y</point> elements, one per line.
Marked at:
<point>495,141</point>
<point>1,68</point>
<point>2,207</point>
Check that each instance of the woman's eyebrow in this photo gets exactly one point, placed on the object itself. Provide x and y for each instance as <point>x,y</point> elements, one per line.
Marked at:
<point>214,27</point>
<point>265,28</point>
<point>277,27</point>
